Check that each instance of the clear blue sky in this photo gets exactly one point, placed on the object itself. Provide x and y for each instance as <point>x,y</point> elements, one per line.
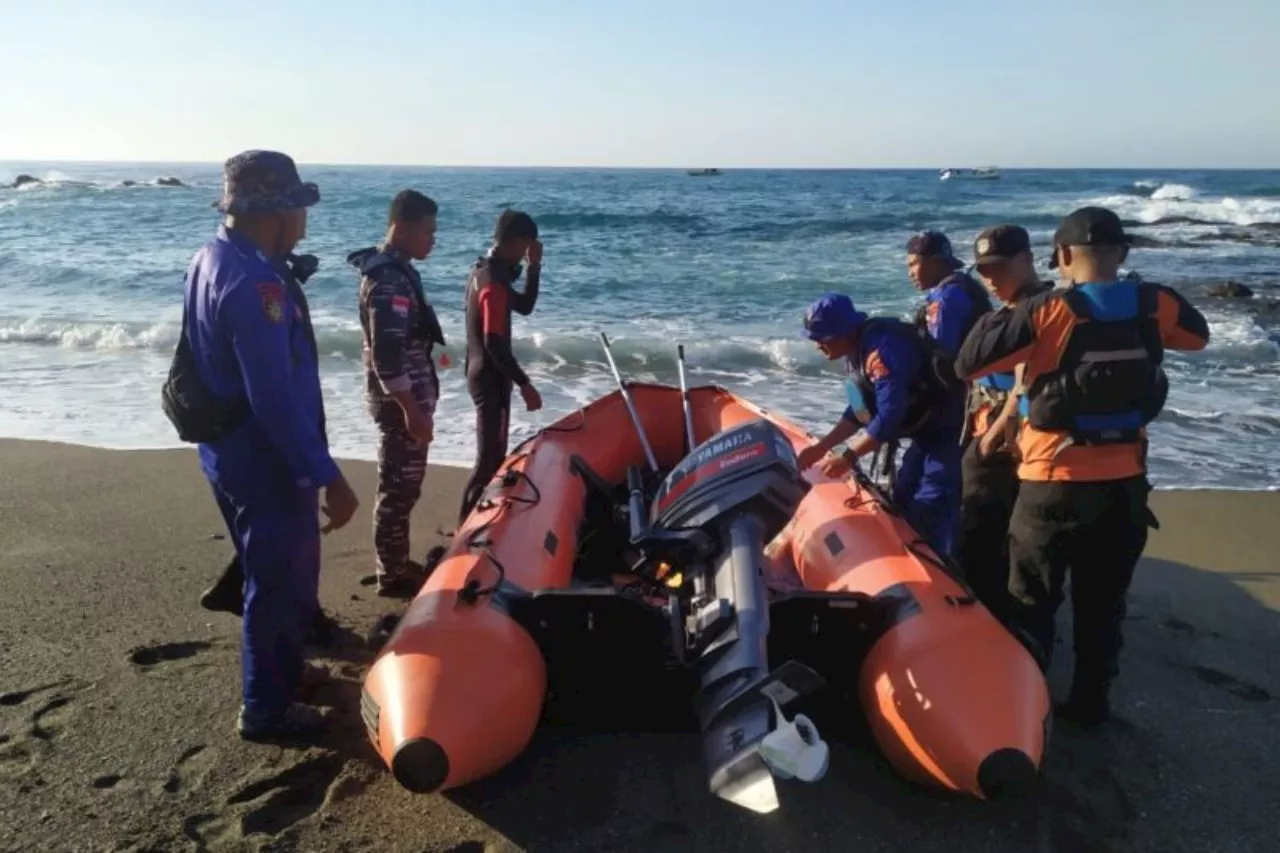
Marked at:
<point>659,83</point>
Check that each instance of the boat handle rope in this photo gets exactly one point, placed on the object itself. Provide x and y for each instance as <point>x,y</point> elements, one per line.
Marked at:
<point>472,590</point>
<point>917,545</point>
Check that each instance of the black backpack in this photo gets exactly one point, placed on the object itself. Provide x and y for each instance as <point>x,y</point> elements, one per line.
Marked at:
<point>196,415</point>
<point>936,382</point>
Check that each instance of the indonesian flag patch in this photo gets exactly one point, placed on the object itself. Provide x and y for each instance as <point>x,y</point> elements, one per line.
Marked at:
<point>272,296</point>
<point>876,369</point>
<point>400,305</point>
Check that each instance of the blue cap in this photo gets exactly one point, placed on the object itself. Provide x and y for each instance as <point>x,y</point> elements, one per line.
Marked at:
<point>832,315</point>
<point>933,244</point>
<point>264,182</point>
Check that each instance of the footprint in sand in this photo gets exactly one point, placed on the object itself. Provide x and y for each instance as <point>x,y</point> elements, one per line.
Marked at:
<point>290,796</point>
<point>1231,684</point>
<point>1096,813</point>
<point>17,697</point>
<point>110,780</point>
<point>50,718</point>
<point>15,759</point>
<point>210,831</point>
<point>190,769</point>
<point>147,657</point>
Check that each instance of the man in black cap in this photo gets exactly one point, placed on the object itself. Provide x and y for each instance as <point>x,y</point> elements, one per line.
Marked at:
<point>247,342</point>
<point>401,389</point>
<point>953,300</point>
<point>989,469</point>
<point>1093,352</point>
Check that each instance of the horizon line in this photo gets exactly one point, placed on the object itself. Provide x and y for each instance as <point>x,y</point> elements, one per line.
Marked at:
<point>627,168</point>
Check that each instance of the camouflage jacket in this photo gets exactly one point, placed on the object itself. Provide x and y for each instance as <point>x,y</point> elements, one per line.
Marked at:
<point>399,329</point>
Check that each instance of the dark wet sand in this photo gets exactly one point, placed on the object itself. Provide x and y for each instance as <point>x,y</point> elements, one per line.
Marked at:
<point>118,697</point>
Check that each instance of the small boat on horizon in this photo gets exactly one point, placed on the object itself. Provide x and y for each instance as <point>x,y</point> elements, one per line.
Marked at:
<point>703,173</point>
<point>982,173</point>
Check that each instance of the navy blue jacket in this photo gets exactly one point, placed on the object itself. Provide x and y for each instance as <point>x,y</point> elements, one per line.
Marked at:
<point>251,337</point>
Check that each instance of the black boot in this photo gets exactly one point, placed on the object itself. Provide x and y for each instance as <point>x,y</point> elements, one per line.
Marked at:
<point>323,631</point>
<point>227,595</point>
<point>1088,705</point>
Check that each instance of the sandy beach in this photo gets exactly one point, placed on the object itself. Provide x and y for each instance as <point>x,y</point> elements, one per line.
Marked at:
<point>118,697</point>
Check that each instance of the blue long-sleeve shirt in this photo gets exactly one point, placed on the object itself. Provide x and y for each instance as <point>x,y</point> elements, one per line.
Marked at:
<point>251,338</point>
<point>891,363</point>
<point>952,308</point>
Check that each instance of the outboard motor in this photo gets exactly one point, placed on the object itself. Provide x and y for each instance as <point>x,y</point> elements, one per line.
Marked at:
<point>716,511</point>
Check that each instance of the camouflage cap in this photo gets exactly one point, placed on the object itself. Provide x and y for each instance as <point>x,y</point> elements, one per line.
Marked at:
<point>264,182</point>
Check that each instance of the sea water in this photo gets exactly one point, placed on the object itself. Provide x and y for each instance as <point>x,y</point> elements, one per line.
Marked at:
<point>91,275</point>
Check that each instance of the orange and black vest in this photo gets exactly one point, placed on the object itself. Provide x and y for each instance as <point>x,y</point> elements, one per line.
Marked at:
<point>1109,382</point>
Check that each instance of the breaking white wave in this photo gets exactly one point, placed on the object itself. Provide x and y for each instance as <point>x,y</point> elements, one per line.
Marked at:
<point>1178,203</point>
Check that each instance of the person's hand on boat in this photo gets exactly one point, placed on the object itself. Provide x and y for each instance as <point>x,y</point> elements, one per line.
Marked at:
<point>340,504</point>
<point>836,466</point>
<point>811,454</point>
<point>534,256</point>
<point>532,399</point>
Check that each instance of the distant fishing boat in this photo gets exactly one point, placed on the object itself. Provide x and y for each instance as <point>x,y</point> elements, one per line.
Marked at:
<point>981,173</point>
<point>703,173</point>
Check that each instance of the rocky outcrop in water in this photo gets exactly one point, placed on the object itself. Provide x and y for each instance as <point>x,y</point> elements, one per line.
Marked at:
<point>23,180</point>
<point>1230,290</point>
<point>169,182</point>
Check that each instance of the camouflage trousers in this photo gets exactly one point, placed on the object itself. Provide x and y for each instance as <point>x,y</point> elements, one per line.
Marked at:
<point>402,465</point>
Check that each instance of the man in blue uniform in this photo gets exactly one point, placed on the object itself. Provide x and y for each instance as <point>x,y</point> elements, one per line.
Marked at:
<point>265,454</point>
<point>227,593</point>
<point>899,384</point>
<point>953,300</point>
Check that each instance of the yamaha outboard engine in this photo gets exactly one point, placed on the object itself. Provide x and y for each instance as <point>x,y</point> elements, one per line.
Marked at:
<point>720,506</point>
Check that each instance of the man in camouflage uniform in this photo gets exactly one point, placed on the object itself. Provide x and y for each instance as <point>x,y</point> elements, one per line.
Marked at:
<point>401,389</point>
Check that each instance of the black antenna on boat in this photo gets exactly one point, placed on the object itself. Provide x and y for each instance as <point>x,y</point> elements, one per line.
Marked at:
<point>631,409</point>
<point>684,398</point>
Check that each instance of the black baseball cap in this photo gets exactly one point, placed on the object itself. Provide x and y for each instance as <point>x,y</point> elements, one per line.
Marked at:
<point>1000,243</point>
<point>1089,226</point>
<point>933,244</point>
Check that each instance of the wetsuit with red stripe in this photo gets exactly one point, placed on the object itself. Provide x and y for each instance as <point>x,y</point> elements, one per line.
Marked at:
<point>491,366</point>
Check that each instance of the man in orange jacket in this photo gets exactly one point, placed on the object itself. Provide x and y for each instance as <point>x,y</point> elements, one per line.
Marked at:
<point>1093,352</point>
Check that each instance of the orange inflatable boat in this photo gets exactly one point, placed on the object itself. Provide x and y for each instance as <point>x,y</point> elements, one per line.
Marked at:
<point>605,557</point>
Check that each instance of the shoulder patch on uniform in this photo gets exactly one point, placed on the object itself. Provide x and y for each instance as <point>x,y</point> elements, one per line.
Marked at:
<point>931,312</point>
<point>876,369</point>
<point>272,295</point>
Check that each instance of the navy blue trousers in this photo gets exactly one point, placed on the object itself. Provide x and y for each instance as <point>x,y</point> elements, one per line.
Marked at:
<point>927,487</point>
<point>277,537</point>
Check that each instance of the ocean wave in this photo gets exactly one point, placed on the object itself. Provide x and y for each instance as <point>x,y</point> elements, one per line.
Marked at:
<point>1164,190</point>
<point>564,353</point>
<point>1237,342</point>
<point>1176,204</point>
<point>90,335</point>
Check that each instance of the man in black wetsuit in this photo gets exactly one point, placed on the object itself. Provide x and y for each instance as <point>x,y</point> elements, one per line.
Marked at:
<point>491,367</point>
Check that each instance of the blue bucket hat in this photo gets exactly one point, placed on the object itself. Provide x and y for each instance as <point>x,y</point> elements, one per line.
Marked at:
<point>832,315</point>
<point>264,182</point>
